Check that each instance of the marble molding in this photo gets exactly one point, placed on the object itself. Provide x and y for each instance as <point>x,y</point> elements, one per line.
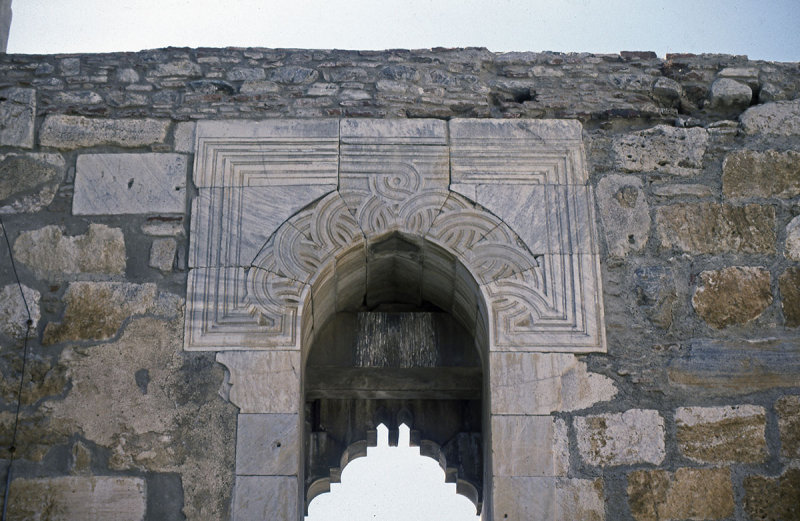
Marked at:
<point>288,211</point>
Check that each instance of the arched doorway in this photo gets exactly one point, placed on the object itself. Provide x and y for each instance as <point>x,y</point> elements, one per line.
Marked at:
<point>490,223</point>
<point>396,354</point>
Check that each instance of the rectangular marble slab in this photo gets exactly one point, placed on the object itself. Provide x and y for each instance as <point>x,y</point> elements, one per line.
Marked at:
<point>268,444</point>
<point>231,225</point>
<point>265,498</point>
<point>529,446</point>
<point>394,131</point>
<point>114,184</point>
<point>263,382</point>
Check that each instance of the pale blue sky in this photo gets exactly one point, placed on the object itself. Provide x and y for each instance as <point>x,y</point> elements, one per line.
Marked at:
<point>766,29</point>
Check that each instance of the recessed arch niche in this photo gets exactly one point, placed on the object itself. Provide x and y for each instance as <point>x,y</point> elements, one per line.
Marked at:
<point>300,225</point>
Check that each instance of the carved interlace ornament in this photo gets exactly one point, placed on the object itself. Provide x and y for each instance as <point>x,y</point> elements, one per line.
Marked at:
<point>290,214</point>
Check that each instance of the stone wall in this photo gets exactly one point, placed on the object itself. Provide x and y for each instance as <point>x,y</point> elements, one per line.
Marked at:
<point>694,163</point>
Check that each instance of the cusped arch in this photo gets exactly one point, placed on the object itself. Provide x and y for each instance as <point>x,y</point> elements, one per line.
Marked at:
<point>427,448</point>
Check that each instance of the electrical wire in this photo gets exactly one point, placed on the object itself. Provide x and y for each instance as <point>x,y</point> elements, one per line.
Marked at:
<point>28,323</point>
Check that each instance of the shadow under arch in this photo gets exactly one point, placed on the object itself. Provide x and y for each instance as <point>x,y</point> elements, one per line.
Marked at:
<point>410,345</point>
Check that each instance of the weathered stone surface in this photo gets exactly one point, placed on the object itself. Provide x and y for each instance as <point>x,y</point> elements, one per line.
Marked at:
<point>667,88</point>
<point>556,499</point>
<point>734,295</point>
<point>96,310</point>
<point>541,383</point>
<point>263,381</point>
<point>656,294</point>
<point>747,173</point>
<point>634,436</point>
<point>129,184</point>
<point>293,75</point>
<point>14,310</point>
<point>716,228</point>
<point>529,446</point>
<point>246,73</point>
<point>17,113</point>
<point>732,434</point>
<point>154,409</point>
<point>789,284</point>
<point>773,499</point>
<point>29,182</point>
<point>251,87</point>
<point>698,494</point>
<point>727,92</point>
<point>97,498</point>
<point>625,214</point>
<point>167,228</point>
<point>663,149</point>
<point>52,255</point>
<point>70,132</point>
<point>792,247</point>
<point>127,75</point>
<point>183,137</point>
<point>267,444</point>
<point>178,68</point>
<point>162,254</point>
<point>788,409</point>
<point>256,498</point>
<point>691,190</point>
<point>733,367</point>
<point>778,118</point>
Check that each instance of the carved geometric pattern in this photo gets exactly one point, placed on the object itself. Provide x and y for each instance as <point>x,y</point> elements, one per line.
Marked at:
<point>457,195</point>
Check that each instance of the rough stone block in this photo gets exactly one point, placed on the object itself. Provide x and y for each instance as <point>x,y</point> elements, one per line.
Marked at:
<point>183,137</point>
<point>178,68</point>
<point>734,434</point>
<point>663,149</point>
<point>54,256</point>
<point>780,118</point>
<point>789,284</point>
<point>747,173</point>
<point>635,436</point>
<point>792,247</point>
<point>96,310</point>
<point>727,92</point>
<point>667,88</point>
<point>732,367</point>
<point>554,499</point>
<point>263,381</point>
<point>788,408</point>
<point>85,498</point>
<point>70,132</point>
<point>14,310</point>
<point>129,184</point>
<point>688,493</point>
<point>267,444</point>
<point>773,499</point>
<point>734,295</point>
<point>17,113</point>
<point>529,446</point>
<point>258,498</point>
<point>541,383</point>
<point>29,182</point>
<point>656,293</point>
<point>162,254</point>
<point>699,228</point>
<point>625,214</point>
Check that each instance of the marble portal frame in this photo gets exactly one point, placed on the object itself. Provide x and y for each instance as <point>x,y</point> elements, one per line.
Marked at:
<point>284,205</point>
